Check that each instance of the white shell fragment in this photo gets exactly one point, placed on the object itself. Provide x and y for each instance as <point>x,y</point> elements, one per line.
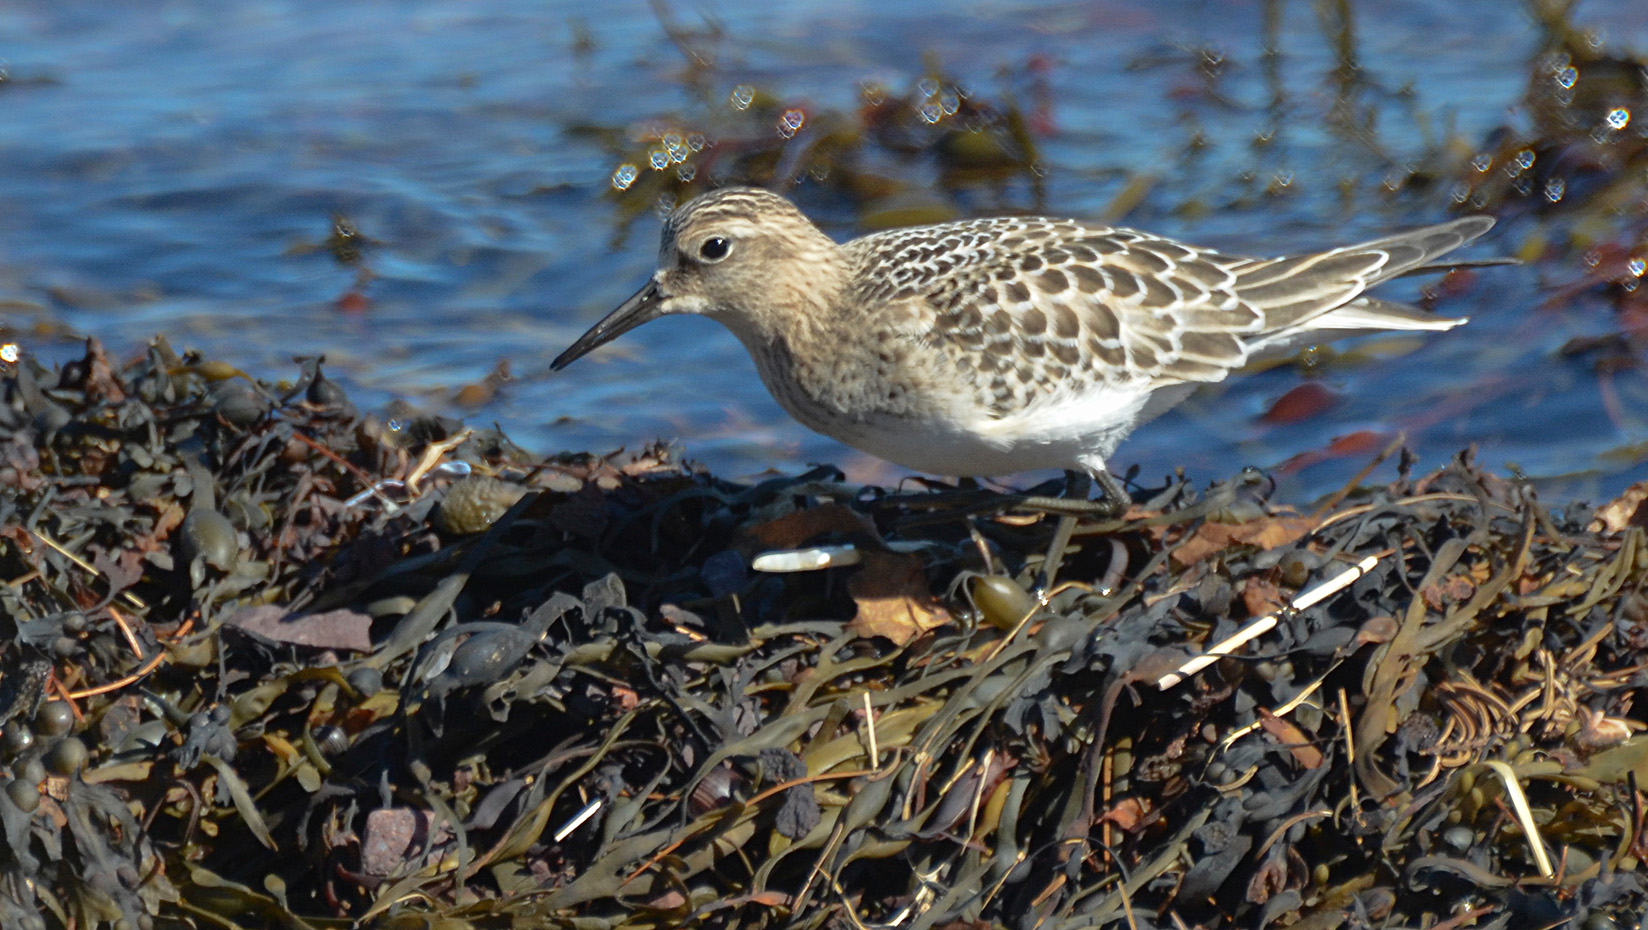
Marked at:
<point>810,559</point>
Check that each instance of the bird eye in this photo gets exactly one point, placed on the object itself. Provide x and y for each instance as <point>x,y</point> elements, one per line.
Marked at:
<point>714,249</point>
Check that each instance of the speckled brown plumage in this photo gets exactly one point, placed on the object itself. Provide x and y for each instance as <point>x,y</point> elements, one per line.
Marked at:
<point>998,345</point>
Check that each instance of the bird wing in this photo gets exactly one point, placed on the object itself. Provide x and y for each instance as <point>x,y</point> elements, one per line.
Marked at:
<point>1028,306</point>
<point>1319,292</point>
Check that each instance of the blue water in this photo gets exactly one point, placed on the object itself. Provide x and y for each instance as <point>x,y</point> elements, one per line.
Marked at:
<point>172,168</point>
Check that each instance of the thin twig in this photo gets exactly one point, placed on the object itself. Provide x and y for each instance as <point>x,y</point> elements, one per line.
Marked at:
<point>1264,624</point>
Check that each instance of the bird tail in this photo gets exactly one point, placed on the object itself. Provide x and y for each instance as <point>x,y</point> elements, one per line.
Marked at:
<point>1412,251</point>
<point>1370,314</point>
<point>1295,292</point>
<point>1459,264</point>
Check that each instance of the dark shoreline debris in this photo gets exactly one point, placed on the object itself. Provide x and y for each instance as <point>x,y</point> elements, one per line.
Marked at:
<point>405,673</point>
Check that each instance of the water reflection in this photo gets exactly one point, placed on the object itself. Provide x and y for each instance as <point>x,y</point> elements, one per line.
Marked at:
<point>506,161</point>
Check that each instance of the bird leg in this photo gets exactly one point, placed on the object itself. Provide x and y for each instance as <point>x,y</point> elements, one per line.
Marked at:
<point>1076,486</point>
<point>1114,493</point>
<point>1078,483</point>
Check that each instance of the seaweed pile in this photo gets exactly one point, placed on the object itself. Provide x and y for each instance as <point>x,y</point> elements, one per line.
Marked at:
<point>266,661</point>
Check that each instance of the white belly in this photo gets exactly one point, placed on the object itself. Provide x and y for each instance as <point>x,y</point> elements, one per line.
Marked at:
<point>941,429</point>
<point>1068,432</point>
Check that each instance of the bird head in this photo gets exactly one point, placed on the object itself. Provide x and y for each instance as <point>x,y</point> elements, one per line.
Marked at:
<point>743,256</point>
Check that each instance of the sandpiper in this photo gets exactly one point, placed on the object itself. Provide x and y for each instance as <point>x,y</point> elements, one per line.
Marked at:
<point>994,346</point>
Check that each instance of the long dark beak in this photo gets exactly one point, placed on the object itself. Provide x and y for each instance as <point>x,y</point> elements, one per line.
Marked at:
<point>643,307</point>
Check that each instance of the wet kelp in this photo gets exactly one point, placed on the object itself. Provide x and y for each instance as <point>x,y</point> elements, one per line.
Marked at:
<point>268,661</point>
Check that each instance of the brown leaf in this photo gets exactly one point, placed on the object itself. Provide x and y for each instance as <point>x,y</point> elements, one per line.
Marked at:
<point>893,600</point>
<point>1126,813</point>
<point>101,383</point>
<point>1265,533</point>
<point>1269,879</point>
<point>795,529</point>
<point>169,516</point>
<point>122,571</point>
<point>1296,740</point>
<point>1274,531</point>
<point>1261,597</point>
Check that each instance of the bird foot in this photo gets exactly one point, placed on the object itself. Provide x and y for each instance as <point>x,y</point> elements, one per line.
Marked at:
<point>1116,498</point>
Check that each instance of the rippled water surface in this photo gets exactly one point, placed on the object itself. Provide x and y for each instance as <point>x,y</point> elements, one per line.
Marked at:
<point>176,168</point>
